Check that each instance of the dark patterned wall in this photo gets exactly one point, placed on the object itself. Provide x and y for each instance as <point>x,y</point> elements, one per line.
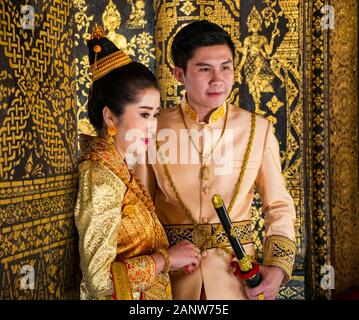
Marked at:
<point>38,143</point>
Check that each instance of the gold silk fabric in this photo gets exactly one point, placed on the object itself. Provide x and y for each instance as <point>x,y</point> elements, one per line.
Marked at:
<point>118,229</point>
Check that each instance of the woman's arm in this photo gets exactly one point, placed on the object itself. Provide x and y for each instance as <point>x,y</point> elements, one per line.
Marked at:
<point>97,218</point>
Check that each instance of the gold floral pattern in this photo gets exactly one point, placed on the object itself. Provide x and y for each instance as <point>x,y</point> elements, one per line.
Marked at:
<point>141,273</point>
<point>116,221</point>
<point>216,115</point>
<point>187,8</point>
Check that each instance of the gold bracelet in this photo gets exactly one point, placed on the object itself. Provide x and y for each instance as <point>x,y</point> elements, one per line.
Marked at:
<point>260,296</point>
<point>164,252</point>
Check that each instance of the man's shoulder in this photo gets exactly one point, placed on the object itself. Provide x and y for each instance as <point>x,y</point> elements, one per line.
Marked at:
<point>169,110</point>
<point>246,115</point>
<point>169,114</point>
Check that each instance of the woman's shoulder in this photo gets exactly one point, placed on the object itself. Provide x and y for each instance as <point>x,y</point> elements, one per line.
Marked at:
<point>99,174</point>
<point>92,166</point>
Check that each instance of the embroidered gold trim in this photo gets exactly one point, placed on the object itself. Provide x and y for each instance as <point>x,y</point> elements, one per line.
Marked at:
<point>204,171</point>
<point>109,63</point>
<point>245,264</point>
<point>141,272</point>
<point>106,154</point>
<point>215,116</point>
<point>279,251</point>
<point>207,236</point>
<point>238,184</point>
<point>120,280</point>
<point>190,112</point>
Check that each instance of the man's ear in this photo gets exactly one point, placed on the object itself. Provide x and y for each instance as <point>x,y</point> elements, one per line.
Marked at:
<point>179,74</point>
<point>108,117</point>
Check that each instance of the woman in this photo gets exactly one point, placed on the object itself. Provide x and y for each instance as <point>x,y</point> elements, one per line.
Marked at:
<point>123,247</point>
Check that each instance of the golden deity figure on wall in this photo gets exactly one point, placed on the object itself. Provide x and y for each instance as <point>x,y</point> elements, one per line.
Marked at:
<point>111,20</point>
<point>257,52</point>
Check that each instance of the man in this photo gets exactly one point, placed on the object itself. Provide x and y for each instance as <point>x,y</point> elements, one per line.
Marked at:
<point>203,55</point>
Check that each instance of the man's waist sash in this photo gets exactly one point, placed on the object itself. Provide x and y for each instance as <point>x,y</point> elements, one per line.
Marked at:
<point>208,236</point>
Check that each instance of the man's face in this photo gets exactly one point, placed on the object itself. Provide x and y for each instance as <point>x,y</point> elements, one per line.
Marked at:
<point>209,76</point>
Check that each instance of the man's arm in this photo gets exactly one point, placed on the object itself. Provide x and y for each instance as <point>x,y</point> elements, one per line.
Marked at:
<point>279,214</point>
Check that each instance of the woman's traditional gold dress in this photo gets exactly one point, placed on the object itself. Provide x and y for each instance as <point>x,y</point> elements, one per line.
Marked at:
<point>118,228</point>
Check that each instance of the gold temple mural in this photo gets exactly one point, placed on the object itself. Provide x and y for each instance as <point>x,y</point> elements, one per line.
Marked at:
<point>137,19</point>
<point>344,158</point>
<point>283,72</point>
<point>111,20</point>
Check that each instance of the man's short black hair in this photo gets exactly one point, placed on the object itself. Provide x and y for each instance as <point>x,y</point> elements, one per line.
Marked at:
<point>195,35</point>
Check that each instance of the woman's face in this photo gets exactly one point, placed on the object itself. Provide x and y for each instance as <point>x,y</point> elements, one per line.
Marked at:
<point>137,126</point>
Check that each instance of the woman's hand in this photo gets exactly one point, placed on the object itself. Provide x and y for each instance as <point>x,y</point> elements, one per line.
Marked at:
<point>184,254</point>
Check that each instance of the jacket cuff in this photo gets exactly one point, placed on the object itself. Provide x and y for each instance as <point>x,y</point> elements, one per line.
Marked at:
<point>280,251</point>
<point>141,273</point>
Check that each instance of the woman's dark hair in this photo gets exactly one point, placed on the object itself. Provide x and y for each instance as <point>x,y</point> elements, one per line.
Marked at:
<point>195,35</point>
<point>119,87</point>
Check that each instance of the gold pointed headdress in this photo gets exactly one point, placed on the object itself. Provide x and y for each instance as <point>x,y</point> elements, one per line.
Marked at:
<point>254,16</point>
<point>109,62</point>
<point>111,11</point>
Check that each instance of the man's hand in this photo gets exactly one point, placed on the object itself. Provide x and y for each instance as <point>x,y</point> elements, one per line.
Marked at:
<point>272,278</point>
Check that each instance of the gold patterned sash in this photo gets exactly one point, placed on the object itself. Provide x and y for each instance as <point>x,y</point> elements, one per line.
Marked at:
<point>120,281</point>
<point>207,236</point>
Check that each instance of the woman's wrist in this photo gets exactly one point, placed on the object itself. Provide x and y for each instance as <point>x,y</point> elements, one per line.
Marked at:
<point>167,264</point>
<point>159,261</point>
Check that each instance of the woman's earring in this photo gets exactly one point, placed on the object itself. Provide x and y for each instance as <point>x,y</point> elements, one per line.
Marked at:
<point>111,131</point>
